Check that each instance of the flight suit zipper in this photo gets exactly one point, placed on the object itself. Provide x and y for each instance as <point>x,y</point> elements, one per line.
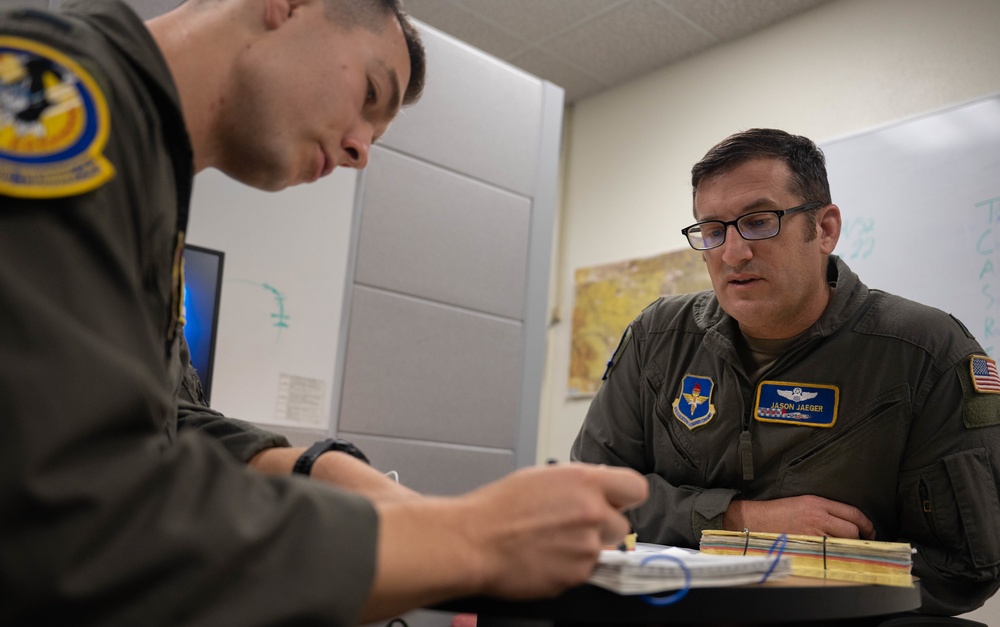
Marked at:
<point>746,441</point>
<point>746,448</point>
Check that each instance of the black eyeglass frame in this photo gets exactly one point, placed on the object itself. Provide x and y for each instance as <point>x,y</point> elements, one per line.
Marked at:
<point>725,225</point>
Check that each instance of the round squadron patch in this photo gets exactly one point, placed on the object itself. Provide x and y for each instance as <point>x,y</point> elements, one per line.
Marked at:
<point>53,123</point>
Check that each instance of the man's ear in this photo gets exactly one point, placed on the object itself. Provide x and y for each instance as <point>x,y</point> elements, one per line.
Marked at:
<point>277,12</point>
<point>829,224</point>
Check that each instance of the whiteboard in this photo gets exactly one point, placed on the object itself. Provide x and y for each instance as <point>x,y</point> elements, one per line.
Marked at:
<point>282,294</point>
<point>920,201</point>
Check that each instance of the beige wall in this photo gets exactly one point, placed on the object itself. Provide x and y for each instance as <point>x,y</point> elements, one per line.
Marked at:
<point>841,69</point>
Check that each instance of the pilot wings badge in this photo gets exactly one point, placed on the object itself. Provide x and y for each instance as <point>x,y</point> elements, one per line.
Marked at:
<point>694,406</point>
<point>797,394</point>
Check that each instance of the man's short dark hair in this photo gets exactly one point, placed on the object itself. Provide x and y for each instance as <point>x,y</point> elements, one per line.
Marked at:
<point>370,14</point>
<point>803,157</point>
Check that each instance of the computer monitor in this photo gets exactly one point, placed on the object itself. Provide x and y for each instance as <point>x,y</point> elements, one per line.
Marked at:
<point>202,292</point>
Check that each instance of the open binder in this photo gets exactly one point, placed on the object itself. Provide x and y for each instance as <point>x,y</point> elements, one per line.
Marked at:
<point>652,568</point>
<point>866,561</point>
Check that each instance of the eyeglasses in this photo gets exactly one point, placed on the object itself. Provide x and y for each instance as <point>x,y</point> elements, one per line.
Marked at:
<point>752,226</point>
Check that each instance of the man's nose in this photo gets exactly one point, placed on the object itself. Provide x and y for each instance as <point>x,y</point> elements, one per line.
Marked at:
<point>735,249</point>
<point>357,145</point>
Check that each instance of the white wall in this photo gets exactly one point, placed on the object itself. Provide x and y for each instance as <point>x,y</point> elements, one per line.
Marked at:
<point>286,254</point>
<point>845,67</point>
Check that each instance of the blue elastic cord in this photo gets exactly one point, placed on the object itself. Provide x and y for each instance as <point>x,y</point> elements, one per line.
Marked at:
<point>782,540</point>
<point>675,597</point>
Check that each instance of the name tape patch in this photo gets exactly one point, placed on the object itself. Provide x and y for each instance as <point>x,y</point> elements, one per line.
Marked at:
<point>797,403</point>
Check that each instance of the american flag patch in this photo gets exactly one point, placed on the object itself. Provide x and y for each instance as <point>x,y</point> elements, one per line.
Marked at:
<point>985,377</point>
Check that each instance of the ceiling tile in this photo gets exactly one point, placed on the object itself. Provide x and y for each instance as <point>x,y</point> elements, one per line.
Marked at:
<point>576,84</point>
<point>536,20</point>
<point>729,19</point>
<point>461,24</point>
<point>589,45</point>
<point>633,39</point>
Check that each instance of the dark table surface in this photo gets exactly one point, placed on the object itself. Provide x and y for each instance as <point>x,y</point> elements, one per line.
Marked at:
<point>791,600</point>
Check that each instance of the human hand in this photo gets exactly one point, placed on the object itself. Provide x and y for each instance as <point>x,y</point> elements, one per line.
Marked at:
<point>539,531</point>
<point>530,534</point>
<point>806,515</point>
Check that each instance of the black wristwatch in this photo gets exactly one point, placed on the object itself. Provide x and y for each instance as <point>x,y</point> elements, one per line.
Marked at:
<point>303,465</point>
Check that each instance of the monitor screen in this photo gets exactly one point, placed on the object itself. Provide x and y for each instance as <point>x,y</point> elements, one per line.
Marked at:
<point>202,292</point>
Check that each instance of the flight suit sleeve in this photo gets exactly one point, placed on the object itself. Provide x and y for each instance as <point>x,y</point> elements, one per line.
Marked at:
<point>107,516</point>
<point>948,499</point>
<point>241,438</point>
<point>102,516</point>
<point>618,430</point>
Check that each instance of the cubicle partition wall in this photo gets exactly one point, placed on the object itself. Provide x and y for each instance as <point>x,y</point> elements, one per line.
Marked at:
<point>443,343</point>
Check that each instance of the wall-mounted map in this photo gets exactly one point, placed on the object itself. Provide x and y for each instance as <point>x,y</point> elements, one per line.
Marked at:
<point>609,297</point>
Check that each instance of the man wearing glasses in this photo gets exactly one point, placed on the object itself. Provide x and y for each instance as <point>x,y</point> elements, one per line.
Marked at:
<point>792,398</point>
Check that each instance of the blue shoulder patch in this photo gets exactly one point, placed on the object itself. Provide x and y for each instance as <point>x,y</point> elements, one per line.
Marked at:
<point>693,406</point>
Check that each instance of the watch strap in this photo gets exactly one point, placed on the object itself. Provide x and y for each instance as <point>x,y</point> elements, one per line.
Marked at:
<point>303,465</point>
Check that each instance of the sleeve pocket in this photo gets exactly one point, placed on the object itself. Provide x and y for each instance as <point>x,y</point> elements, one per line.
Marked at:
<point>959,499</point>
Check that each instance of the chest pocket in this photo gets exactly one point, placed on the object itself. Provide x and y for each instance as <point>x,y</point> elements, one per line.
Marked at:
<point>706,454</point>
<point>857,461</point>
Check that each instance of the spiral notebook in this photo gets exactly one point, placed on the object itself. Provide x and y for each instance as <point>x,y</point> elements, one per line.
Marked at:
<point>652,568</point>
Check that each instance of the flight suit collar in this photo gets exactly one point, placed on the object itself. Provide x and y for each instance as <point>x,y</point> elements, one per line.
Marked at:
<point>849,293</point>
<point>123,27</point>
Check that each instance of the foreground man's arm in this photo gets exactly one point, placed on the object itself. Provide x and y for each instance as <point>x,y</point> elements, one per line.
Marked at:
<point>268,452</point>
<point>335,468</point>
<point>531,534</point>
